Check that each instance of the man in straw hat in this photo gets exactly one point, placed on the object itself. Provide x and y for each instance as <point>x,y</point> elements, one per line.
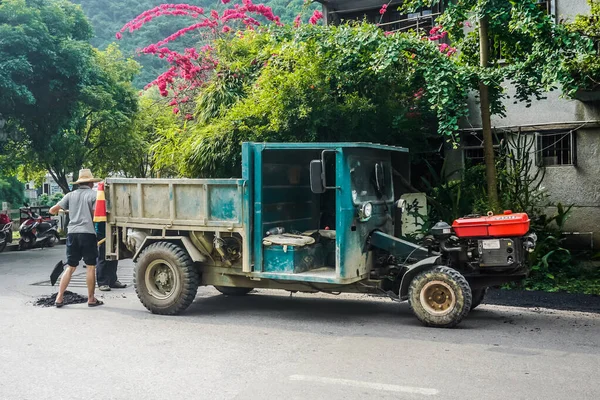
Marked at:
<point>81,237</point>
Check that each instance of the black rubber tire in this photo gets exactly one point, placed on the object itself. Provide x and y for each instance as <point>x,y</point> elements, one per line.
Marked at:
<point>478,296</point>
<point>461,291</point>
<point>3,245</point>
<point>23,245</point>
<point>187,273</point>
<point>233,291</point>
<point>53,242</point>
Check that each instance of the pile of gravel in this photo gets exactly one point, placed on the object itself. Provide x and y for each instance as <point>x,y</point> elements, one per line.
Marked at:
<point>69,298</point>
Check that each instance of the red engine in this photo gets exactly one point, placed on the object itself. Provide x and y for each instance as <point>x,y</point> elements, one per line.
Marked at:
<point>492,226</point>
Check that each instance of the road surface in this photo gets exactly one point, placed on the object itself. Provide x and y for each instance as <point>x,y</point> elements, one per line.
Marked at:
<point>269,345</point>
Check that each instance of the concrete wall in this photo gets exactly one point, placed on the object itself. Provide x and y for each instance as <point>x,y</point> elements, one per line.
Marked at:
<point>553,109</point>
<point>578,185</point>
<point>568,9</point>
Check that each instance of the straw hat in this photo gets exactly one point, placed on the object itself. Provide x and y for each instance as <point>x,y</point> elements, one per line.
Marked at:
<point>85,176</point>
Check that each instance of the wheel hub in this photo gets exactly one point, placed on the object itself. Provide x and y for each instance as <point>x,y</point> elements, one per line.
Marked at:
<point>161,279</point>
<point>437,297</point>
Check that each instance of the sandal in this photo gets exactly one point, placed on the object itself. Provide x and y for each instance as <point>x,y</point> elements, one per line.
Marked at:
<point>96,303</point>
<point>59,305</point>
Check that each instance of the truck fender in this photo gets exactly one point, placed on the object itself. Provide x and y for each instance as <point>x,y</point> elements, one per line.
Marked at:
<point>183,241</point>
<point>414,270</point>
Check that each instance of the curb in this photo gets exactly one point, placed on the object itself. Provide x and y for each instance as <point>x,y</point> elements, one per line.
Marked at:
<point>15,246</point>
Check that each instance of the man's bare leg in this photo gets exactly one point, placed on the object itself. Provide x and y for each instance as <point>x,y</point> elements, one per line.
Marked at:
<point>64,282</point>
<point>90,280</point>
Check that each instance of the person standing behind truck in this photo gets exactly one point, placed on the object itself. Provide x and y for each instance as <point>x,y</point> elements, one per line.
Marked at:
<point>81,237</point>
<point>106,271</point>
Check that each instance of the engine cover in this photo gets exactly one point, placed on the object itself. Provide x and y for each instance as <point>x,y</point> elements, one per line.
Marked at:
<point>495,226</point>
<point>498,252</point>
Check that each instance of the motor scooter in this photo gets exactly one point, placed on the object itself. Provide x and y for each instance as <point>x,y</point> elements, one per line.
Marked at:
<point>5,231</point>
<point>35,232</point>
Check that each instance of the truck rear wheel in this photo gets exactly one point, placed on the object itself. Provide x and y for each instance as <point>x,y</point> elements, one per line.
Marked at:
<point>165,279</point>
<point>440,297</point>
<point>478,296</point>
<point>233,291</point>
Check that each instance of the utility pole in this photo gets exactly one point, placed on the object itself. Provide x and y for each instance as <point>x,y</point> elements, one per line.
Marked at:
<point>486,124</point>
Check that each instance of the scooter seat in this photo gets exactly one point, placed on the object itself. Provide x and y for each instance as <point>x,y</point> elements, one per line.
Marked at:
<point>44,226</point>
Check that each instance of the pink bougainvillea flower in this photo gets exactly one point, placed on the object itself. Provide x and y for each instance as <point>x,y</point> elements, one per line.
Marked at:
<point>383,9</point>
<point>467,24</point>
<point>435,30</point>
<point>175,110</point>
<point>225,1</point>
<point>118,35</point>
<point>226,29</point>
<point>317,15</point>
<point>443,47</point>
<point>297,20</point>
<point>388,33</point>
<point>189,116</point>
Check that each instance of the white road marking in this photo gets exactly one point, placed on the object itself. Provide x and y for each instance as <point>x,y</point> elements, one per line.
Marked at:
<point>366,385</point>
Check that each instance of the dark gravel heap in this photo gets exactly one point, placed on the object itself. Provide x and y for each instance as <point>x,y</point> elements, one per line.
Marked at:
<point>557,301</point>
<point>69,298</point>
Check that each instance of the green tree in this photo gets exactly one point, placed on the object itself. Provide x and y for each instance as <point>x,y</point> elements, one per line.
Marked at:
<point>512,42</point>
<point>156,129</point>
<point>45,60</point>
<point>11,190</point>
<point>286,84</point>
<point>99,131</point>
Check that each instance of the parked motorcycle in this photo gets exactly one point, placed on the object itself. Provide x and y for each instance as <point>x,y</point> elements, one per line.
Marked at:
<point>35,232</point>
<point>5,231</point>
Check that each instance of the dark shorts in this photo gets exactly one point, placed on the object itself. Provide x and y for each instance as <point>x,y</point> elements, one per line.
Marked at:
<point>81,245</point>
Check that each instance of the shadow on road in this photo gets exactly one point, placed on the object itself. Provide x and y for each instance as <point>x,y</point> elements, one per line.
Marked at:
<point>371,317</point>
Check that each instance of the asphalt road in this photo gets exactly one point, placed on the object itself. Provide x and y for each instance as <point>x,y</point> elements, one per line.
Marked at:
<point>269,345</point>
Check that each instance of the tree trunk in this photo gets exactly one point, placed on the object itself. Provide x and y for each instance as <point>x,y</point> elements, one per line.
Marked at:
<point>486,124</point>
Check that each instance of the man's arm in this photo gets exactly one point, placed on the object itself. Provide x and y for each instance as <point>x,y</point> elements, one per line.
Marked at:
<point>63,204</point>
<point>55,209</point>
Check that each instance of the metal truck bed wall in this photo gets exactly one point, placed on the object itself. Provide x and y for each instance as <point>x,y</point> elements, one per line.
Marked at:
<point>177,204</point>
<point>213,205</point>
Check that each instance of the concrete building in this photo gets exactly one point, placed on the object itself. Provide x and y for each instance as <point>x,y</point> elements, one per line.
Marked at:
<point>566,132</point>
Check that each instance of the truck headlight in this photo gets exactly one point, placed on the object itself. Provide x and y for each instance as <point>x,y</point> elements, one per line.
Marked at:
<point>366,211</point>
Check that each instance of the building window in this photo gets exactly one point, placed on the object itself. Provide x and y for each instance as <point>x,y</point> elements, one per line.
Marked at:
<point>548,6</point>
<point>472,148</point>
<point>556,148</point>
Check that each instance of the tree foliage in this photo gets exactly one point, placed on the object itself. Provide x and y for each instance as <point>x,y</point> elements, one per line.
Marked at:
<point>98,132</point>
<point>303,84</point>
<point>11,190</point>
<point>585,68</point>
<point>67,104</point>
<point>44,60</point>
<point>108,16</point>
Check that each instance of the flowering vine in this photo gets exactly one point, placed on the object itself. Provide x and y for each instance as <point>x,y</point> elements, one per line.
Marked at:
<point>192,69</point>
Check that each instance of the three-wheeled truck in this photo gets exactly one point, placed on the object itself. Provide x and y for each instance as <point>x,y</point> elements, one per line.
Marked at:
<point>309,217</point>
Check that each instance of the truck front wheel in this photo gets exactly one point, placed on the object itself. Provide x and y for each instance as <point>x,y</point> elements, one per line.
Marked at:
<point>440,297</point>
<point>165,279</point>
